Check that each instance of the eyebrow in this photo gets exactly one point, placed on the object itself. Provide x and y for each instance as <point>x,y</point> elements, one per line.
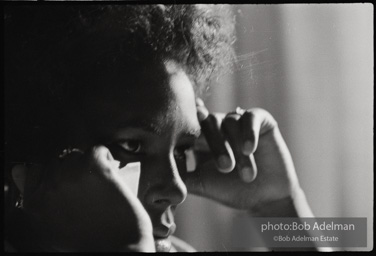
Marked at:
<point>154,128</point>
<point>141,124</point>
<point>193,133</point>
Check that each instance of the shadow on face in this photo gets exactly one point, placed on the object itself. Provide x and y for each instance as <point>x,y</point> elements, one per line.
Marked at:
<point>148,116</point>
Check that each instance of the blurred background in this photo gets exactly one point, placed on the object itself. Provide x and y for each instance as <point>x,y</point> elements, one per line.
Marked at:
<point>311,67</point>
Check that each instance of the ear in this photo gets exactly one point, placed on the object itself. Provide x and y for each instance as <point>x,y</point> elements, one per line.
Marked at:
<point>19,176</point>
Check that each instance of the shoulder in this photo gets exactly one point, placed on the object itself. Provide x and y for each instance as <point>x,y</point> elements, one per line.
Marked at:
<point>180,245</point>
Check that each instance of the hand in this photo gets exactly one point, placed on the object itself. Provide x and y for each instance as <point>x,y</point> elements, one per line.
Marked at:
<point>81,204</point>
<point>229,174</point>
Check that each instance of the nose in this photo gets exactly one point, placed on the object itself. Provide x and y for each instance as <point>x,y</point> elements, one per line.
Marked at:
<point>166,187</point>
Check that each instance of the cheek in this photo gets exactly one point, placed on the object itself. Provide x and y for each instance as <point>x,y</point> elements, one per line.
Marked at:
<point>181,165</point>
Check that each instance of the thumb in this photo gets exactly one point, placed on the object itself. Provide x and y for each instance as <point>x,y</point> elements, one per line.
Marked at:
<point>101,161</point>
<point>99,157</point>
<point>74,163</point>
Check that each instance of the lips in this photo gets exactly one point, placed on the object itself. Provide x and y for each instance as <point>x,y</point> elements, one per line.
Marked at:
<point>164,231</point>
<point>163,227</point>
<point>162,245</point>
<point>161,235</point>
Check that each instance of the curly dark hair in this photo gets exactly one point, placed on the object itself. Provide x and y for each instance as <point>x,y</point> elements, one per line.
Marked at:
<point>48,48</point>
<point>199,37</point>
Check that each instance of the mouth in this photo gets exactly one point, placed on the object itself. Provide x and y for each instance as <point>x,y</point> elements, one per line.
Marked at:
<point>163,227</point>
<point>161,237</point>
<point>162,244</point>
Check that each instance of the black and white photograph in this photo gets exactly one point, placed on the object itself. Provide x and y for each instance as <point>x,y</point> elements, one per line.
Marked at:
<point>146,127</point>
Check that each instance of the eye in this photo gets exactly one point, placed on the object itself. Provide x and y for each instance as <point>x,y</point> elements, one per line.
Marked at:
<point>131,146</point>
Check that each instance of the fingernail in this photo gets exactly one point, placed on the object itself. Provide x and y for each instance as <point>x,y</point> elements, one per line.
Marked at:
<point>247,147</point>
<point>246,174</point>
<point>224,163</point>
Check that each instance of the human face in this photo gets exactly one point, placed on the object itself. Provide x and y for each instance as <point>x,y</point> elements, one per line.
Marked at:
<point>150,117</point>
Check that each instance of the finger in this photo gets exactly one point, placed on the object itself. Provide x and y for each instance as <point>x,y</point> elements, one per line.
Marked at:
<point>231,127</point>
<point>100,158</point>
<point>194,181</point>
<point>97,166</point>
<point>253,171</point>
<point>250,129</point>
<point>205,177</point>
<point>218,145</point>
<point>74,163</point>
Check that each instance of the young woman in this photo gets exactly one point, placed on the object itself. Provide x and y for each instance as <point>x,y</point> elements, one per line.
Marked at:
<point>92,88</point>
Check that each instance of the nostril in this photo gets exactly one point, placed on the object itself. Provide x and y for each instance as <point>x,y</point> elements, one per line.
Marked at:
<point>161,201</point>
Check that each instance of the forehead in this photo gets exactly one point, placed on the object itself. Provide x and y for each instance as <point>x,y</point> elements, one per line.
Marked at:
<point>159,96</point>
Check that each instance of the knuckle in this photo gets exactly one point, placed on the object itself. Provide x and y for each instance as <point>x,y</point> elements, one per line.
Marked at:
<point>232,115</point>
<point>262,115</point>
<point>255,112</point>
<point>258,112</point>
